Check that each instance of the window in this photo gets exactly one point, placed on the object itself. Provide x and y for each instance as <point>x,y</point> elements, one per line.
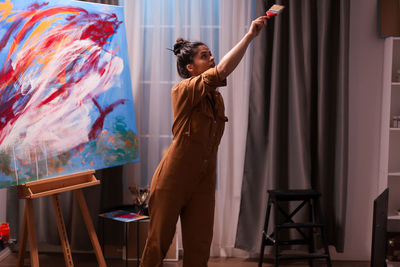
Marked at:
<point>162,22</point>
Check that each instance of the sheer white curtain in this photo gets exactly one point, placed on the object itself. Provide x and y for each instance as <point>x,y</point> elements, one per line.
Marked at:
<point>235,19</point>
<point>154,25</point>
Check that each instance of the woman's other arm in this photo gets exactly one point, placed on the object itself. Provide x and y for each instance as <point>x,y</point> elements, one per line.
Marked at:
<point>230,61</point>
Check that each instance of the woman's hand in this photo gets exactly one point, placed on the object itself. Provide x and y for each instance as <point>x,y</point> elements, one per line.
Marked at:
<point>257,25</point>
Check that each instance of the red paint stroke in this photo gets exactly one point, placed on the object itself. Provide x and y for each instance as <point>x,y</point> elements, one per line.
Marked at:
<point>8,33</point>
<point>57,93</point>
<point>36,6</point>
<point>102,29</point>
<point>98,124</point>
<point>7,114</point>
<point>37,17</point>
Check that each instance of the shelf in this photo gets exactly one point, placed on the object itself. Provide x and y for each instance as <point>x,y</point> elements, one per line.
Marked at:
<point>394,217</point>
<point>389,164</point>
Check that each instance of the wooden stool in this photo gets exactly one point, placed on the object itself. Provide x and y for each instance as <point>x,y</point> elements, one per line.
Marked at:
<point>305,197</point>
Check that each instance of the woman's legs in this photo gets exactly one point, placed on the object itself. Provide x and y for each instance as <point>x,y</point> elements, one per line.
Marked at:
<point>197,218</point>
<point>164,208</point>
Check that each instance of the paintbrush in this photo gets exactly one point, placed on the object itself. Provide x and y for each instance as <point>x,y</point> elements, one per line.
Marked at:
<point>274,10</point>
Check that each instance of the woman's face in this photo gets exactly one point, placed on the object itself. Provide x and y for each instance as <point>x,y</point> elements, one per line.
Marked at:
<point>202,61</point>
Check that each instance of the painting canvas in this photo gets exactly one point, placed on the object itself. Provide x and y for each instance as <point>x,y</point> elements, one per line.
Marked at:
<point>65,93</point>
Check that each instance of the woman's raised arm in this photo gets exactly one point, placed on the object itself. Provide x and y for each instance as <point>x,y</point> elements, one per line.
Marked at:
<point>230,61</point>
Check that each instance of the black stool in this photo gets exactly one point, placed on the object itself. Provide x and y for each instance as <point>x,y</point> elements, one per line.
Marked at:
<point>276,199</point>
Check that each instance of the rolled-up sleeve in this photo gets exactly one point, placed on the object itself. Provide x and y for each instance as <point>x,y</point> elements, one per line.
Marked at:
<point>199,86</point>
<point>211,77</point>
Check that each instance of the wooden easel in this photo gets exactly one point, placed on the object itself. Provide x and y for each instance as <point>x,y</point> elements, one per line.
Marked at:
<point>53,187</point>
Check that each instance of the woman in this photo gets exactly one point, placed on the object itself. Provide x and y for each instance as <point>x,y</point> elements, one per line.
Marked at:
<point>184,182</point>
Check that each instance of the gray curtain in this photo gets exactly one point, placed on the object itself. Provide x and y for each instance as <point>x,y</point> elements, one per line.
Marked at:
<point>297,133</point>
<point>99,198</point>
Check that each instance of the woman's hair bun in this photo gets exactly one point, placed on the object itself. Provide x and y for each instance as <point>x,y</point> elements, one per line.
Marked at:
<point>180,42</point>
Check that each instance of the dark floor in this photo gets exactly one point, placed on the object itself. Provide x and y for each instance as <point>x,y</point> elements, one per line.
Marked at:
<point>88,260</point>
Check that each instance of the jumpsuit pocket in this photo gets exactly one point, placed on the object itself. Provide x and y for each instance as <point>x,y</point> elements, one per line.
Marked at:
<point>200,125</point>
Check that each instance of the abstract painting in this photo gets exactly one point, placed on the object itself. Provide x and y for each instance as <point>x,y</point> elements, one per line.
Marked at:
<point>65,93</point>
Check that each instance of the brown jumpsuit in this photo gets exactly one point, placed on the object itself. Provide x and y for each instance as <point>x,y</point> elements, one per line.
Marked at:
<point>184,182</point>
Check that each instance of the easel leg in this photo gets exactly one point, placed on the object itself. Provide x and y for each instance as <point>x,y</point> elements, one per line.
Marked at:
<point>137,245</point>
<point>126,244</point>
<point>23,238</point>
<point>62,231</point>
<point>90,228</point>
<point>32,232</point>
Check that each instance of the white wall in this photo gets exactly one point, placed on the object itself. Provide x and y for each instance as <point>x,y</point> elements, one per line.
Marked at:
<point>365,93</point>
<point>3,200</point>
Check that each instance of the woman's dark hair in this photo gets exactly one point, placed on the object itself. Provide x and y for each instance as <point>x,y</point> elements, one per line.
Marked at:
<point>185,51</point>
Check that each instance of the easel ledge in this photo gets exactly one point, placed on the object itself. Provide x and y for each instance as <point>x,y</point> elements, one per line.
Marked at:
<point>57,185</point>
<point>52,187</point>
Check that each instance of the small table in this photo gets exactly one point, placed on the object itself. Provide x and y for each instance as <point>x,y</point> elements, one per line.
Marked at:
<point>126,217</point>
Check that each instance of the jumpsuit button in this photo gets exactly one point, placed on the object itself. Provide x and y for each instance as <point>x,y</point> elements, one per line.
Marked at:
<point>205,161</point>
<point>215,121</point>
